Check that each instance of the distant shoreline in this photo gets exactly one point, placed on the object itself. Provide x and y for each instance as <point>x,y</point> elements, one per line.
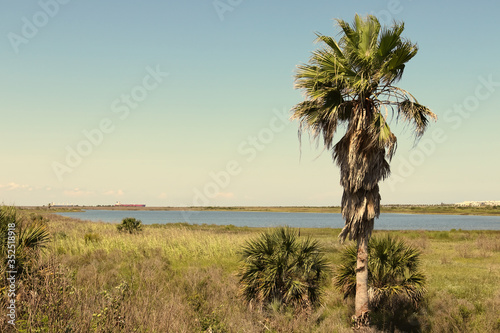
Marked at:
<point>395,209</point>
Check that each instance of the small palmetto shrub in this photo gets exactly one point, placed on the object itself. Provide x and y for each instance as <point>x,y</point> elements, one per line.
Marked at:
<point>278,268</point>
<point>130,225</point>
<point>21,240</point>
<point>396,285</point>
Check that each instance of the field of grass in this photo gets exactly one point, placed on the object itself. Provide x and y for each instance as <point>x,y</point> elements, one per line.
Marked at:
<point>182,278</point>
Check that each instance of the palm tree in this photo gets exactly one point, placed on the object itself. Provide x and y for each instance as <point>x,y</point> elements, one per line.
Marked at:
<point>351,82</point>
<point>279,268</point>
<point>396,285</point>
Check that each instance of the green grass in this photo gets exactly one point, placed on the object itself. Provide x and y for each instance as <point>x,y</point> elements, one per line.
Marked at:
<point>182,278</point>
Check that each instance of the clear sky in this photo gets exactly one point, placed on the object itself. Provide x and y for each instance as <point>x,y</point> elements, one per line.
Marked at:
<point>181,103</point>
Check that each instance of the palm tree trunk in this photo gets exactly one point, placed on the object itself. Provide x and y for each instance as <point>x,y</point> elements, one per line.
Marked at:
<point>361,303</point>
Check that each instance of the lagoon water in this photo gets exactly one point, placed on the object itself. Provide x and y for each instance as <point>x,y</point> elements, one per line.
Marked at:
<point>298,220</point>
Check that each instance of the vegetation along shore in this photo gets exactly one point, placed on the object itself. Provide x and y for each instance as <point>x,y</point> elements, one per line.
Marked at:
<point>396,209</point>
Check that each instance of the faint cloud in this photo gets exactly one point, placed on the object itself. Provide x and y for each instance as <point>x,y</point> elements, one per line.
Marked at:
<point>14,186</point>
<point>77,192</point>
<point>162,195</point>
<point>113,192</point>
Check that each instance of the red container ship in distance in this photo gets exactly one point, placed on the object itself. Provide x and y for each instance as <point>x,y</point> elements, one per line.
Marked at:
<point>118,204</point>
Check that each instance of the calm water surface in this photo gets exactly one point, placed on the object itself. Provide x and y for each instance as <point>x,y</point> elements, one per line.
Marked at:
<point>302,220</point>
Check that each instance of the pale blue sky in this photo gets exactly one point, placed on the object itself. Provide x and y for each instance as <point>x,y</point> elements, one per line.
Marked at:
<point>185,103</point>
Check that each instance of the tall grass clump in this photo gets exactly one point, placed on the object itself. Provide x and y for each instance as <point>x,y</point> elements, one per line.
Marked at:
<point>396,284</point>
<point>91,237</point>
<point>280,270</point>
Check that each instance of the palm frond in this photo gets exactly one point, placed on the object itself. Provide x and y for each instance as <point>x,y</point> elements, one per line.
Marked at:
<point>8,216</point>
<point>331,43</point>
<point>34,236</point>
<point>398,58</point>
<point>389,39</point>
<point>417,114</point>
<point>385,137</point>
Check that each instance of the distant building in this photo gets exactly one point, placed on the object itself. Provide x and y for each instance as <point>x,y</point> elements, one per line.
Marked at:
<point>478,203</point>
<point>61,205</point>
<point>118,204</point>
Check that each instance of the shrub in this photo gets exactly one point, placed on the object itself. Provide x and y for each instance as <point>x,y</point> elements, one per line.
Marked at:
<point>277,268</point>
<point>30,236</point>
<point>396,286</point>
<point>130,225</point>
